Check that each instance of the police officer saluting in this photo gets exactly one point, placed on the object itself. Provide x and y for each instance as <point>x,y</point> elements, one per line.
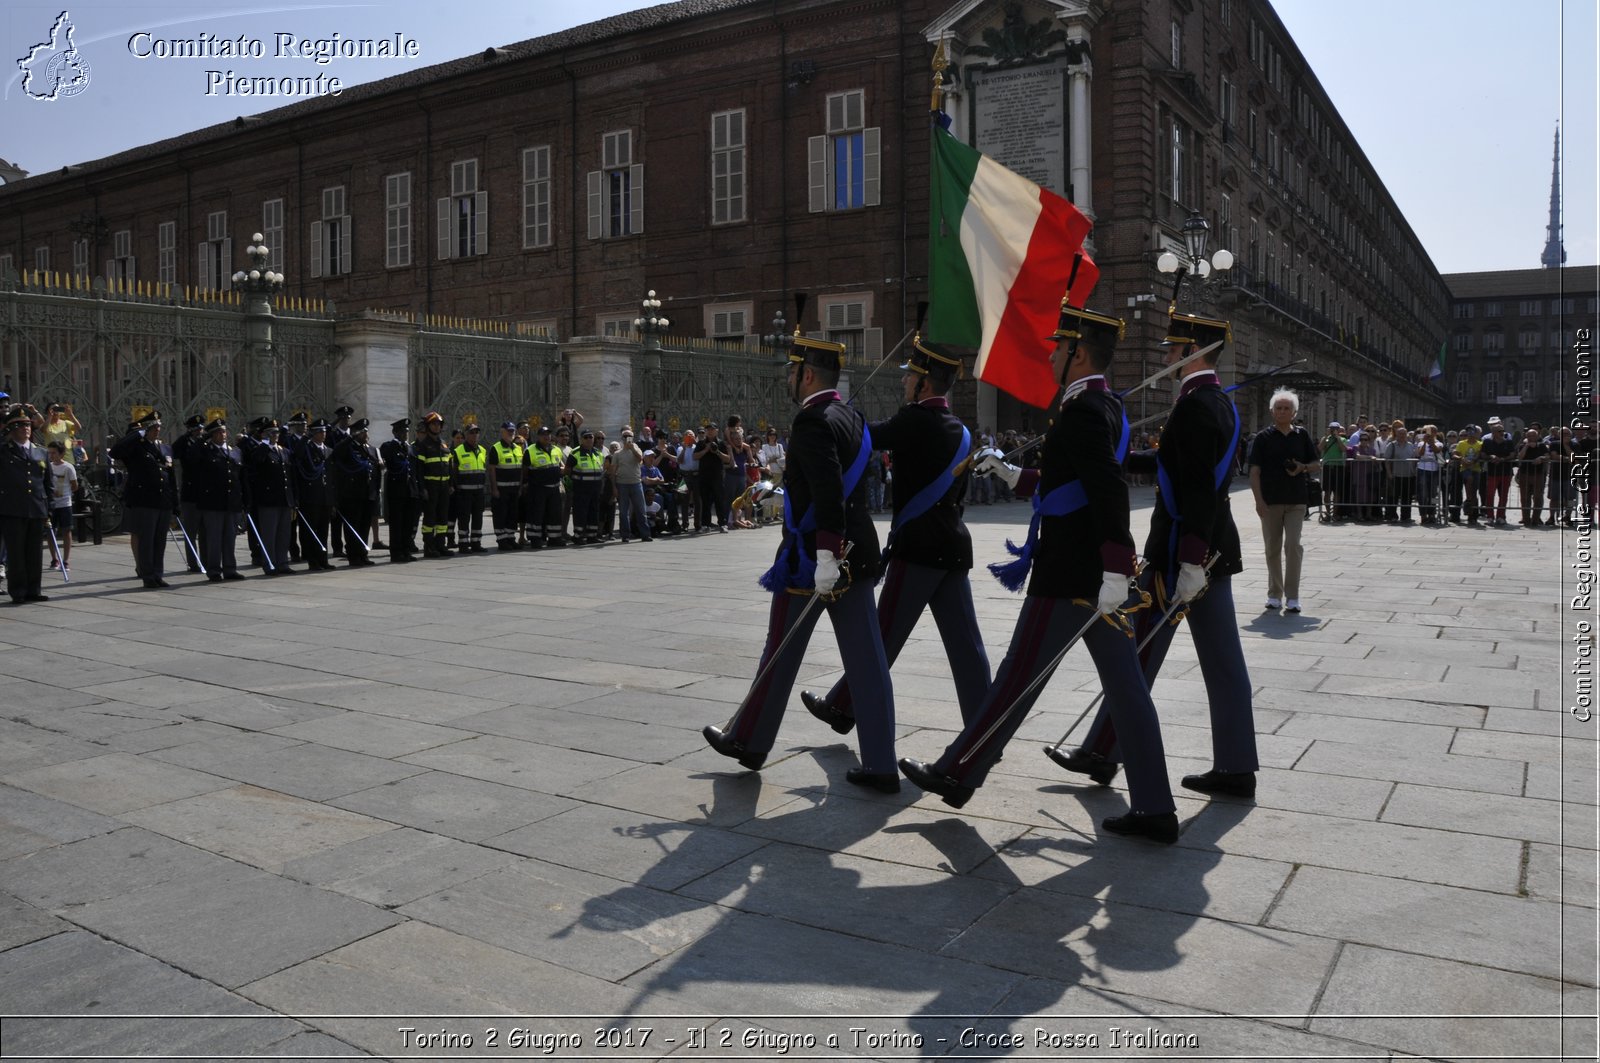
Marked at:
<point>24,505</point>
<point>149,496</point>
<point>314,493</point>
<point>929,551</point>
<point>219,494</point>
<point>357,491</point>
<point>402,491</point>
<point>188,511</point>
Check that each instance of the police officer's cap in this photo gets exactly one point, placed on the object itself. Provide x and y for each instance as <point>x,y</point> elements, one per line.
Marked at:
<point>587,433</point>
<point>402,425</point>
<point>930,359</point>
<point>16,416</point>
<point>150,420</point>
<point>215,426</point>
<point>544,429</point>
<point>197,421</point>
<point>1187,329</point>
<point>469,429</point>
<point>298,418</point>
<point>360,426</point>
<point>509,426</point>
<point>319,425</point>
<point>344,411</point>
<point>824,354</point>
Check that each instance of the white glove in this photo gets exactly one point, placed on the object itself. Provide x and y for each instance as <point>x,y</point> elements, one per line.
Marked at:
<point>827,575</point>
<point>994,465</point>
<point>1113,591</point>
<point>1191,581</point>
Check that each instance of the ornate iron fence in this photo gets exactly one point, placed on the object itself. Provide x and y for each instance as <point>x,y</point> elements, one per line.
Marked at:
<point>464,373</point>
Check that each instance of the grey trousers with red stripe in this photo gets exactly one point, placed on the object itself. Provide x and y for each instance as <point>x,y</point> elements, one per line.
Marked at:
<point>907,590</point>
<point>1044,626</point>
<point>855,628</point>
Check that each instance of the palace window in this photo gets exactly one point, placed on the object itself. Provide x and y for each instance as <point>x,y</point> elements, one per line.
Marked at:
<point>843,166</point>
<point>330,237</point>
<point>216,253</point>
<point>397,220</point>
<point>464,214</point>
<point>616,191</point>
<point>727,167</point>
<point>272,232</point>
<point>536,197</point>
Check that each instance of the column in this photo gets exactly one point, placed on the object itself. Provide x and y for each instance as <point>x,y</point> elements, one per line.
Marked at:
<point>1079,158</point>
<point>374,371</point>
<point>600,381</point>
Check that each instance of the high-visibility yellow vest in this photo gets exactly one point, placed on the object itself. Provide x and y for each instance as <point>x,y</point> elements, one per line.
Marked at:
<point>508,465</point>
<point>589,464</point>
<point>470,466</point>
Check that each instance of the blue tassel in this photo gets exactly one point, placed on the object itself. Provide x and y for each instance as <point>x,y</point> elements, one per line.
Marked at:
<point>1013,549</point>
<point>1012,574</point>
<point>771,580</point>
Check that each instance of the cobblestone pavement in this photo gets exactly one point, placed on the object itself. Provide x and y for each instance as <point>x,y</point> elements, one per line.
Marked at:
<point>463,808</point>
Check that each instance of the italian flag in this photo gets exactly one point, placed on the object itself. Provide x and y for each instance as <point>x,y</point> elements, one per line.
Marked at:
<point>1000,252</point>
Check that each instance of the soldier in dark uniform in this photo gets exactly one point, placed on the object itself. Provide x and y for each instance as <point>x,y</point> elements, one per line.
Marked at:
<point>338,432</point>
<point>272,498</point>
<point>188,511</point>
<point>219,496</point>
<point>24,506</point>
<point>1192,521</point>
<point>402,491</point>
<point>434,458</point>
<point>506,459</point>
<point>929,551</point>
<point>314,493</point>
<point>546,464</point>
<point>825,508</point>
<point>357,490</point>
<point>1081,556</point>
<point>148,495</point>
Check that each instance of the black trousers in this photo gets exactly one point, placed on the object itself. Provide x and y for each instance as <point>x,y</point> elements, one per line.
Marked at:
<point>24,539</point>
<point>149,530</point>
<point>709,499</point>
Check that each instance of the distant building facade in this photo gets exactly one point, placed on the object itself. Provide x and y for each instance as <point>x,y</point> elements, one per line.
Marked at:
<point>729,153</point>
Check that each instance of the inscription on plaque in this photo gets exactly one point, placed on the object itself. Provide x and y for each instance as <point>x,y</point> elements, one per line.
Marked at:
<point>1020,120</point>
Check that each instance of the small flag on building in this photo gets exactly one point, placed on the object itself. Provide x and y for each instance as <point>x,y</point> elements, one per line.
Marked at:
<point>1000,253</point>
<point>1438,367</point>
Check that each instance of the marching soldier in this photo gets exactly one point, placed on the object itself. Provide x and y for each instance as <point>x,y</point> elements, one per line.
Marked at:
<point>547,463</point>
<point>402,491</point>
<point>314,492</point>
<point>272,498</point>
<point>357,491</point>
<point>434,458</point>
<point>1080,528</point>
<point>929,550</point>
<point>506,459</point>
<point>471,479</point>
<point>149,495</point>
<point>829,548</point>
<point>1192,521</point>
<point>24,505</point>
<point>219,495</point>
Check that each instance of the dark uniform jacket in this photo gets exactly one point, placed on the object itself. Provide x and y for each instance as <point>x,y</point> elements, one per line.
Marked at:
<point>356,475</point>
<point>924,439</point>
<point>180,446</point>
<point>1193,444</point>
<point>823,442</point>
<point>309,466</point>
<point>1075,550</point>
<point>23,481</point>
<point>218,477</point>
<point>267,472</point>
<point>148,471</point>
<point>401,476</point>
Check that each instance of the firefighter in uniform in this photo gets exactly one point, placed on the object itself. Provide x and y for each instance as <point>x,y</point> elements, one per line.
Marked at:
<point>434,458</point>
<point>829,547</point>
<point>314,493</point>
<point>547,464</point>
<point>929,551</point>
<point>1193,523</point>
<point>1079,531</point>
<point>402,491</point>
<point>586,465</point>
<point>505,486</point>
<point>471,463</point>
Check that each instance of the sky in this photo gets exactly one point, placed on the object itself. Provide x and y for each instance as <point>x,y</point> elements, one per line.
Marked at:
<point>1454,102</point>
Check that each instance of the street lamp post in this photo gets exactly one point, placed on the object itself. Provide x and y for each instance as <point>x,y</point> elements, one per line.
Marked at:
<point>1195,235</point>
<point>779,338</point>
<point>259,284</point>
<point>650,324</point>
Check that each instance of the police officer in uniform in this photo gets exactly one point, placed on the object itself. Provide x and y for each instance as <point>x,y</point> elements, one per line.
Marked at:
<point>1081,557</point>
<point>402,491</point>
<point>505,486</point>
<point>219,495</point>
<point>272,498</point>
<point>314,492</point>
<point>357,490</point>
<point>1192,521</point>
<point>24,505</point>
<point>929,551</point>
<point>542,516</point>
<point>434,458</point>
<point>825,508</point>
<point>291,439</point>
<point>338,432</point>
<point>586,465</point>
<point>188,511</point>
<point>149,495</point>
<point>471,462</point>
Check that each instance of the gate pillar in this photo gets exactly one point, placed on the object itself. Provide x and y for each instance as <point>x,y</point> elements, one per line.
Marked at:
<point>600,381</point>
<point>373,373</point>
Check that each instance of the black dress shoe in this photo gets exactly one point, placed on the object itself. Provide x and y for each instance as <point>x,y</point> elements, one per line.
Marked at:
<point>379,546</point>
<point>728,747</point>
<point>359,562</point>
<point>1229,783</point>
<point>1157,826</point>
<point>954,794</point>
<point>829,715</point>
<point>37,598</point>
<point>234,576</point>
<point>1084,762</point>
<point>214,577</point>
<point>399,559</point>
<point>884,784</point>
<point>155,584</point>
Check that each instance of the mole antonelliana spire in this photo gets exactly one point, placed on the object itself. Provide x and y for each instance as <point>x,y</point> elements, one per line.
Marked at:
<point>1554,254</point>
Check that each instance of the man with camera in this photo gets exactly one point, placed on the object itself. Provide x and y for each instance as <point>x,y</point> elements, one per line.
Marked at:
<point>1282,459</point>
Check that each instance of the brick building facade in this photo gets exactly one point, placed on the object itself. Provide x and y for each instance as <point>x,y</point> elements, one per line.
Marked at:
<point>729,153</point>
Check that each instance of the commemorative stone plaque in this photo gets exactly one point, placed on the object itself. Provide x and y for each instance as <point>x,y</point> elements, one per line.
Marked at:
<point>1020,120</point>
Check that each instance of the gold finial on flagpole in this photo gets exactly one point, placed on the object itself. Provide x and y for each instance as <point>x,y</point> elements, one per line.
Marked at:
<point>940,63</point>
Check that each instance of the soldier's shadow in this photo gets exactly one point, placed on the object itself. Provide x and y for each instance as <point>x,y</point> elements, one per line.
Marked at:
<point>968,941</point>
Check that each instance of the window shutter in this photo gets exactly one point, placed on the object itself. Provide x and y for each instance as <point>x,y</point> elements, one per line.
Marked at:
<point>871,140</point>
<point>225,282</point>
<point>597,204</point>
<point>480,223</point>
<point>817,168</point>
<point>132,273</point>
<point>319,264</point>
<point>206,279</point>
<point>636,179</point>
<point>346,237</point>
<point>447,246</point>
<point>872,345</point>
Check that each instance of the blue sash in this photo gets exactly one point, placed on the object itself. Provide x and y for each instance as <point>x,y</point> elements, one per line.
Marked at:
<point>1068,498</point>
<point>1169,500</point>
<point>784,572</point>
<point>924,499</point>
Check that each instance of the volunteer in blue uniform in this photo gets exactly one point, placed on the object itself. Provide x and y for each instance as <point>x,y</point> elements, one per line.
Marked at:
<point>827,525</point>
<point>929,552</point>
<point>1080,553</point>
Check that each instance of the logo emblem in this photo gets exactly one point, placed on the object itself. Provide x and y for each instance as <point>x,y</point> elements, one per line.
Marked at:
<point>55,69</point>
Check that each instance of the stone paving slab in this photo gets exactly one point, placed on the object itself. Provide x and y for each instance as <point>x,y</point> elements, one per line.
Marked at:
<point>436,790</point>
